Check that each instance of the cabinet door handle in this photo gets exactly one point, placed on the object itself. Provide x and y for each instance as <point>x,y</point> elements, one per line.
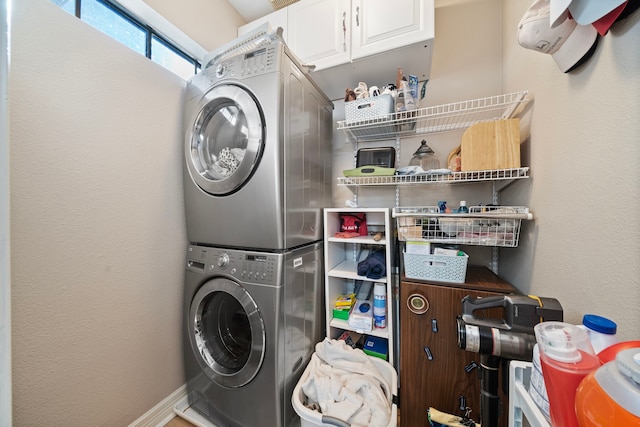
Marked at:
<point>471,366</point>
<point>344,31</point>
<point>434,325</point>
<point>357,16</point>
<point>427,350</point>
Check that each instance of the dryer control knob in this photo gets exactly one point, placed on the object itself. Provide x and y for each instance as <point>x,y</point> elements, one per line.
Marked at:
<point>221,70</point>
<point>223,260</point>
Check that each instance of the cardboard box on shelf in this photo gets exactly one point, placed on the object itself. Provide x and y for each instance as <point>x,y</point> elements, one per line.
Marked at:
<point>407,228</point>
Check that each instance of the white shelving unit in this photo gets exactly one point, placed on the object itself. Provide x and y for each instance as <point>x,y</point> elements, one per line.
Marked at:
<point>341,266</point>
<point>477,228</point>
<point>433,120</point>
<point>482,226</point>
<point>438,119</point>
<point>452,178</point>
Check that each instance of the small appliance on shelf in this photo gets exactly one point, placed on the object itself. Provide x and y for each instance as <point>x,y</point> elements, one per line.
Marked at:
<point>374,162</point>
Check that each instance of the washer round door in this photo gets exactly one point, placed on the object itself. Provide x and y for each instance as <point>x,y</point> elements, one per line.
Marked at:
<point>227,333</point>
<point>224,143</point>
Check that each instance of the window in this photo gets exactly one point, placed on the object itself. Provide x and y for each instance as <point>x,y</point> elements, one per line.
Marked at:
<point>171,58</point>
<point>114,21</point>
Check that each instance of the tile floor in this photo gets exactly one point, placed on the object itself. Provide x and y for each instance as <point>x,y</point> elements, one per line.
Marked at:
<point>178,422</point>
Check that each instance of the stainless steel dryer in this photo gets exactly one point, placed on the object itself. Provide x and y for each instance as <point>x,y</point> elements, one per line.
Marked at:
<point>252,320</point>
<point>257,149</point>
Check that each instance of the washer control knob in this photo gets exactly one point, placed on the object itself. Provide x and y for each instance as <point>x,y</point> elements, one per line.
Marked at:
<point>223,260</point>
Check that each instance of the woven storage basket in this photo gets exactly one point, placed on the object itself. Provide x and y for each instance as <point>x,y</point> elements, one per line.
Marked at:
<point>376,107</point>
<point>440,268</point>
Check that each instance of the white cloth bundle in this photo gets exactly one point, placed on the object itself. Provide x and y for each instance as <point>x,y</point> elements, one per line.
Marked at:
<point>345,384</point>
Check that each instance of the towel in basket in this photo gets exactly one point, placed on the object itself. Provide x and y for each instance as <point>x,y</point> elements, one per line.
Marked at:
<point>344,386</point>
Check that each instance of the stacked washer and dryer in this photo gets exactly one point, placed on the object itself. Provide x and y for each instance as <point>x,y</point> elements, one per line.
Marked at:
<point>257,175</point>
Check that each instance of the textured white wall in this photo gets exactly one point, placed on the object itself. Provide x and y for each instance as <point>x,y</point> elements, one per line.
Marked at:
<point>584,245</point>
<point>5,279</point>
<point>97,224</point>
<point>211,23</point>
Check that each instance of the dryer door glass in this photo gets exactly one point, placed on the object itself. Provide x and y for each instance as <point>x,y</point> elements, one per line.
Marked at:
<point>225,141</point>
<point>227,333</point>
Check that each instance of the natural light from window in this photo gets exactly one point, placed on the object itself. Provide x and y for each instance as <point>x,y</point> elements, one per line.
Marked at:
<point>106,17</point>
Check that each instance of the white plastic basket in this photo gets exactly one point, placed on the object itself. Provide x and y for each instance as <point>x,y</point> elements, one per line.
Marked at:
<point>440,268</point>
<point>375,107</point>
<point>311,418</point>
<point>522,409</point>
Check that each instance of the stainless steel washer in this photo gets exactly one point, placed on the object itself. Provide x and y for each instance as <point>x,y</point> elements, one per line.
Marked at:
<point>257,150</point>
<point>251,323</point>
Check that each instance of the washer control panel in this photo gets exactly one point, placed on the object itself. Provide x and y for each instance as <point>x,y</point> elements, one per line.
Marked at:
<point>245,266</point>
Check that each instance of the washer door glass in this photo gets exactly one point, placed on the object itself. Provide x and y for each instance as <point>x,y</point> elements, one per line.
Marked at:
<point>225,141</point>
<point>227,333</point>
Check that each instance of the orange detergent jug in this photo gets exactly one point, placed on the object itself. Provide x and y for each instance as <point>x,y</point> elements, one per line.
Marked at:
<point>610,396</point>
<point>566,358</point>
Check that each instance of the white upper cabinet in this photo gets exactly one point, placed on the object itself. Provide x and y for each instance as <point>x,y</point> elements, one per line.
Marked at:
<point>275,19</point>
<point>380,25</point>
<point>343,39</point>
<point>326,33</point>
<point>320,32</point>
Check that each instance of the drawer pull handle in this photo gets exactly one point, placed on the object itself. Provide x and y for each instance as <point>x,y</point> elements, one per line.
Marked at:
<point>427,350</point>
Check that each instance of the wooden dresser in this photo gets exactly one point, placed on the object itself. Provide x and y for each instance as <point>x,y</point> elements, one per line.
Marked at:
<point>432,367</point>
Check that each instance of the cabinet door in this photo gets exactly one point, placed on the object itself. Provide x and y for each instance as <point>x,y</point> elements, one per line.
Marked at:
<point>432,367</point>
<point>275,20</point>
<point>319,32</point>
<point>380,25</point>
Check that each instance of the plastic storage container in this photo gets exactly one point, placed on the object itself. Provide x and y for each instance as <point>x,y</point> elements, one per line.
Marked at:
<point>440,268</point>
<point>610,396</point>
<point>601,331</point>
<point>376,107</point>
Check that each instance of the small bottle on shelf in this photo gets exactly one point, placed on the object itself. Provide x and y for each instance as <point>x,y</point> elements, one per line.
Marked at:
<point>379,305</point>
<point>463,207</point>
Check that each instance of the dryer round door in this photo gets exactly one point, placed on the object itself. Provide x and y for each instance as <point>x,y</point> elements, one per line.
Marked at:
<point>224,142</point>
<point>227,333</point>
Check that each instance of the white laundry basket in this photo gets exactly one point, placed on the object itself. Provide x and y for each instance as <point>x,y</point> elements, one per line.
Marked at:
<point>311,418</point>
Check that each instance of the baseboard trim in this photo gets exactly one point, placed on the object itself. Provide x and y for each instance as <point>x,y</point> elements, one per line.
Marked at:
<point>163,412</point>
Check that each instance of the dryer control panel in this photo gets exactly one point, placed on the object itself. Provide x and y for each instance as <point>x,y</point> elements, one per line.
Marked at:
<point>259,61</point>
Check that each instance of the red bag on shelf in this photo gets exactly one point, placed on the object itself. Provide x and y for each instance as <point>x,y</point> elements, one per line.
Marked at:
<point>354,223</point>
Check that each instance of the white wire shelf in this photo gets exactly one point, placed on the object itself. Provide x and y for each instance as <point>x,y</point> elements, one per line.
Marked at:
<point>437,119</point>
<point>452,178</point>
<point>482,226</point>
